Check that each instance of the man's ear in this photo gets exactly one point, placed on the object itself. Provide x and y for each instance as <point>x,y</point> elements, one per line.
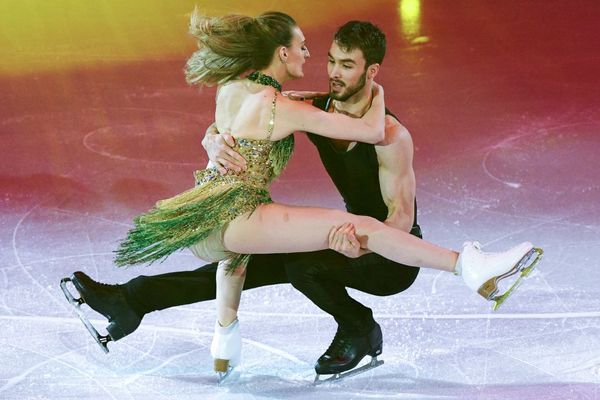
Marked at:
<point>372,71</point>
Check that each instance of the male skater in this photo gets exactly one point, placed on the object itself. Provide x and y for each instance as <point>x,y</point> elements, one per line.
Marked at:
<point>374,180</point>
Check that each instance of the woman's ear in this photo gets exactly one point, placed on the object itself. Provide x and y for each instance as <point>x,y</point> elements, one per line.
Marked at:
<point>283,54</point>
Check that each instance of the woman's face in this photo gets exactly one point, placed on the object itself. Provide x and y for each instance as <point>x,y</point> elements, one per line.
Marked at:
<point>297,53</point>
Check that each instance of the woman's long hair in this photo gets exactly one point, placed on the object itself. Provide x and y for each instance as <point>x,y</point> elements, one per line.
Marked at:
<point>233,44</point>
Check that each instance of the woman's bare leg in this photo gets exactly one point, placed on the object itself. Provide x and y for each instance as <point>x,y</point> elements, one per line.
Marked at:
<point>226,346</point>
<point>229,291</point>
<point>276,228</point>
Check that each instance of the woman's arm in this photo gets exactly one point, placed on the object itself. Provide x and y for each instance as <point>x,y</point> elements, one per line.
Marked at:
<point>294,116</point>
<point>303,95</point>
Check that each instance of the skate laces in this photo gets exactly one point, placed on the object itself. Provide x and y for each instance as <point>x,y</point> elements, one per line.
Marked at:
<point>108,286</point>
<point>339,344</point>
<point>99,285</point>
<point>467,246</point>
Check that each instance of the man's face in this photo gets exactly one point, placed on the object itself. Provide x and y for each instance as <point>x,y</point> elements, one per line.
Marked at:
<point>347,72</point>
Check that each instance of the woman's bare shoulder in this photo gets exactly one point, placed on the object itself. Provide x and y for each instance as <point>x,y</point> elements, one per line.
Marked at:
<point>233,87</point>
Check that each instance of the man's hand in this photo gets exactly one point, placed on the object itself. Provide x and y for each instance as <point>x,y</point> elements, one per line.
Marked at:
<point>303,95</point>
<point>218,146</point>
<point>343,240</point>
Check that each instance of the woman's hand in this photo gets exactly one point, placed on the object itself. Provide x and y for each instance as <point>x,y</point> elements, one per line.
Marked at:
<point>343,240</point>
<point>218,146</point>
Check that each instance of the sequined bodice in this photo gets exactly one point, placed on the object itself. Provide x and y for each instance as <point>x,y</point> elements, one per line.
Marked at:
<point>193,216</point>
<point>259,156</point>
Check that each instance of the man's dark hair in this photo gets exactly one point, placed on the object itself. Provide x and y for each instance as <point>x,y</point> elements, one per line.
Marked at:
<point>364,36</point>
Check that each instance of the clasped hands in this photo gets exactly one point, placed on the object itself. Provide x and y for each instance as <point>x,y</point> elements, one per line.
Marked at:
<point>344,240</point>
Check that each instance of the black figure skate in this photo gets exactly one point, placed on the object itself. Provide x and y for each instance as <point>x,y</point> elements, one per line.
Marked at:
<point>346,352</point>
<point>107,300</point>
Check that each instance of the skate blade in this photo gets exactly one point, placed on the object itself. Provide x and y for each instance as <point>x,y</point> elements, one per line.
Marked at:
<point>226,377</point>
<point>374,363</point>
<point>76,303</point>
<point>525,267</point>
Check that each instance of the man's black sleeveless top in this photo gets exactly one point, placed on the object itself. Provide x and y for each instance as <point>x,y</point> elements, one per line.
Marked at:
<point>355,173</point>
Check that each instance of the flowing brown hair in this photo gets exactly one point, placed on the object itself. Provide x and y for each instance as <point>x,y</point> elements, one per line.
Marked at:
<point>233,44</point>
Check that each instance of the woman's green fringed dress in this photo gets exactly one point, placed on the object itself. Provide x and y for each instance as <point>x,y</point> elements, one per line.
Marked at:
<point>188,218</point>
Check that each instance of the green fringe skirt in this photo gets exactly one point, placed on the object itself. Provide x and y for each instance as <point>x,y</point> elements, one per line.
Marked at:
<point>188,218</point>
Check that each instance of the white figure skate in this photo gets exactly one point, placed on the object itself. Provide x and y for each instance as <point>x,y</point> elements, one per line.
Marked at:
<point>226,348</point>
<point>483,271</point>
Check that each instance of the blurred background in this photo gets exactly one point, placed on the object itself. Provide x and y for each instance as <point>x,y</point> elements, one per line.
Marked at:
<point>503,103</point>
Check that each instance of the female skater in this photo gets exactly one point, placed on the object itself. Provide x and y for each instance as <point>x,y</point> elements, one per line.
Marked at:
<point>226,218</point>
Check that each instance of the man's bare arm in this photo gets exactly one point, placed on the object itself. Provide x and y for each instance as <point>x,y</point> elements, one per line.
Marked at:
<point>396,175</point>
<point>218,146</point>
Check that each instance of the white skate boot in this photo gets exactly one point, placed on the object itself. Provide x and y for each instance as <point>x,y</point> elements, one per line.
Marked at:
<point>483,271</point>
<point>226,348</point>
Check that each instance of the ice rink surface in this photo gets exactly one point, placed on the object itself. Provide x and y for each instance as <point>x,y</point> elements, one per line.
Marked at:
<point>503,103</point>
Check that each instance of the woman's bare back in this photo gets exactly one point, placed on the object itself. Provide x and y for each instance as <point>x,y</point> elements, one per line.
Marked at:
<point>244,109</point>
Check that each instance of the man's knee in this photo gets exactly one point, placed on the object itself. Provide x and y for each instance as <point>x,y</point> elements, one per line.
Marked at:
<point>305,270</point>
<point>301,274</point>
<point>396,283</point>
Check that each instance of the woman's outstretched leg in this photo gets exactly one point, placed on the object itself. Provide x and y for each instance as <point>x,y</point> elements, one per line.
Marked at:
<point>275,228</point>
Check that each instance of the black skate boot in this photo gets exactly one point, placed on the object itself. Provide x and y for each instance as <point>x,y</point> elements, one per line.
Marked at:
<point>346,351</point>
<point>108,300</point>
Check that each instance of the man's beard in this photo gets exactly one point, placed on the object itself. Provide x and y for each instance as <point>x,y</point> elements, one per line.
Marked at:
<point>350,90</point>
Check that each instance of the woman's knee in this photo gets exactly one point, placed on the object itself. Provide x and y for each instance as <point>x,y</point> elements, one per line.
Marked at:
<point>238,272</point>
<point>365,225</point>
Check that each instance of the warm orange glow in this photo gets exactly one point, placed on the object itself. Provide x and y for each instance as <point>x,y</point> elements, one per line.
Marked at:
<point>410,18</point>
<point>62,34</point>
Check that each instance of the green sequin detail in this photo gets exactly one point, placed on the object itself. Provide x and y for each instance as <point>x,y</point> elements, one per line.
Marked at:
<point>186,219</point>
<point>263,79</point>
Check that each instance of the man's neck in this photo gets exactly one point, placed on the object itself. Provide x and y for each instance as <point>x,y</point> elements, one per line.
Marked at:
<point>358,104</point>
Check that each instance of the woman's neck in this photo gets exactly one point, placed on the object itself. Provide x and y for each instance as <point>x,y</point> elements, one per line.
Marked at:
<point>277,73</point>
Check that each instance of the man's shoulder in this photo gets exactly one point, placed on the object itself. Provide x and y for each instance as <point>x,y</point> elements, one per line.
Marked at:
<point>396,151</point>
<point>321,102</point>
<point>395,133</point>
